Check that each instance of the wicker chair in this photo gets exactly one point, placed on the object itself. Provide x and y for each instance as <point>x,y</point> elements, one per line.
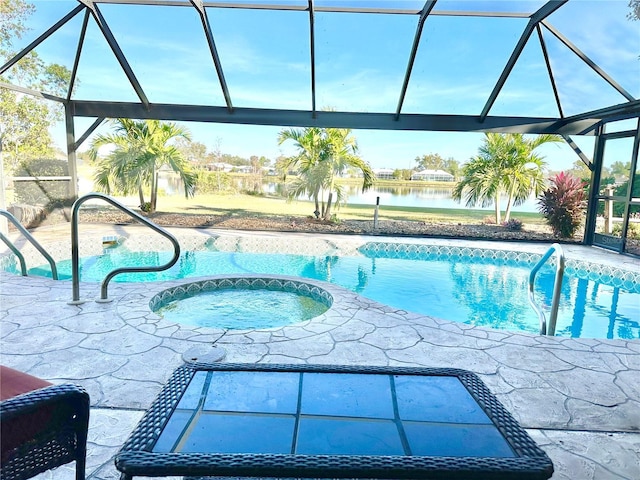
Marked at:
<point>43,425</point>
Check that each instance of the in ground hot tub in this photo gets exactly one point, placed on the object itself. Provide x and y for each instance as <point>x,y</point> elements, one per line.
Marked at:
<point>242,303</point>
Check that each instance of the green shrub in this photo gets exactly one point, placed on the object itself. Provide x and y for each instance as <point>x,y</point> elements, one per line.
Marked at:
<point>563,205</point>
<point>633,231</point>
<point>47,193</point>
<point>214,182</point>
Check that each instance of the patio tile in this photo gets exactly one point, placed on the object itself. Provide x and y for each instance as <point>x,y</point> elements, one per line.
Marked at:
<point>596,387</point>
<point>345,354</point>
<point>603,362</point>
<point>589,416</point>
<point>147,366</point>
<point>355,330</point>
<point>253,353</point>
<point>76,364</point>
<point>450,357</point>
<point>591,456</point>
<point>444,338</point>
<point>537,407</point>
<point>24,363</point>
<point>517,378</point>
<point>398,338</point>
<point>91,322</point>
<point>629,383</point>
<point>7,326</point>
<point>41,340</point>
<point>129,394</point>
<point>125,341</point>
<point>630,361</point>
<point>529,359</point>
<point>577,395</point>
<point>304,348</point>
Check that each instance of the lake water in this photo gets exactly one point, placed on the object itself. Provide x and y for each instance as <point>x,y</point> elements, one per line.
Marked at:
<point>423,197</point>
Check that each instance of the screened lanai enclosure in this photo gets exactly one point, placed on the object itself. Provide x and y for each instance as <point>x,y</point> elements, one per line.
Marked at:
<point>568,67</point>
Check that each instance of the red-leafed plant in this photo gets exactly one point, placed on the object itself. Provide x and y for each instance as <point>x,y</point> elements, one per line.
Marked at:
<point>563,204</point>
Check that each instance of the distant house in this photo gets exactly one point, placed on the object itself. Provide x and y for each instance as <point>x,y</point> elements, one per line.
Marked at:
<point>384,173</point>
<point>219,167</point>
<point>433,175</point>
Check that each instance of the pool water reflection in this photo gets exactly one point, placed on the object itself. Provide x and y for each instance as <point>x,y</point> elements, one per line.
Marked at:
<point>475,290</point>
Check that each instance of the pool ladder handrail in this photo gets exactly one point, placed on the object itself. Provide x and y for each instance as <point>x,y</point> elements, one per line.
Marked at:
<point>557,287</point>
<point>32,240</point>
<point>75,258</point>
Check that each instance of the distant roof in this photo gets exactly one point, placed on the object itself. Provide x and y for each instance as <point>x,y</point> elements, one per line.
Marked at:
<point>432,172</point>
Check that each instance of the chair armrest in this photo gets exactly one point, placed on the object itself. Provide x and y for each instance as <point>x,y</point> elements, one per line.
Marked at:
<point>43,397</point>
<point>41,414</point>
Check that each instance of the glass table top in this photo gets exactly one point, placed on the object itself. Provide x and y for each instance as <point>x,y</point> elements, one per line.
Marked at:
<point>317,413</point>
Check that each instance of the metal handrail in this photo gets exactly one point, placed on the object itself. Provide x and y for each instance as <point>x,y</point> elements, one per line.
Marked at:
<point>32,240</point>
<point>557,287</point>
<point>75,258</point>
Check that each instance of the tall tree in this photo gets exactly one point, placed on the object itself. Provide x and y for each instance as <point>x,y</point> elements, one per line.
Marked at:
<point>257,173</point>
<point>621,170</point>
<point>311,145</point>
<point>430,161</point>
<point>282,164</point>
<point>433,161</point>
<point>323,154</point>
<point>194,152</point>
<point>453,167</point>
<point>342,155</point>
<point>580,170</point>
<point>634,14</point>
<point>13,14</point>
<point>505,164</point>
<point>25,120</point>
<point>402,174</point>
<point>140,149</point>
<point>24,128</point>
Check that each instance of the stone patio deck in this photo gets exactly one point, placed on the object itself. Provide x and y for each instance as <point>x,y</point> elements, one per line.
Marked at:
<point>578,398</point>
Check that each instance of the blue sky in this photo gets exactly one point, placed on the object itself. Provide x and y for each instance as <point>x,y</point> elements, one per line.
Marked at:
<point>360,65</point>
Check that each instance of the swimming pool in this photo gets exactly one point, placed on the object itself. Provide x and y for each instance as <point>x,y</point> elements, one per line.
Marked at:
<point>475,286</point>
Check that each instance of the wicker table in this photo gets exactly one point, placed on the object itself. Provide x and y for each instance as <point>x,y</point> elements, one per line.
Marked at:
<point>329,422</point>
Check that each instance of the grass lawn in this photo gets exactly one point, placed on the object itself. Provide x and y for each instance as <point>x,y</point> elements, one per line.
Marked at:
<point>255,205</point>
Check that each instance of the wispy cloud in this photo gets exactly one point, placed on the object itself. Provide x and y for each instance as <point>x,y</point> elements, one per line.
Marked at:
<point>606,36</point>
<point>364,91</point>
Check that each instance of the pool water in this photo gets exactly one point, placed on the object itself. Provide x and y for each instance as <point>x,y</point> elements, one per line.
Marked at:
<point>238,308</point>
<point>474,290</point>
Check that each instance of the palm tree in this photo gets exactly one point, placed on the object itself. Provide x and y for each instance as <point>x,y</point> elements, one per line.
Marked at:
<point>119,172</point>
<point>323,154</point>
<point>140,149</point>
<point>312,150</point>
<point>505,164</point>
<point>343,150</point>
<point>163,153</point>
